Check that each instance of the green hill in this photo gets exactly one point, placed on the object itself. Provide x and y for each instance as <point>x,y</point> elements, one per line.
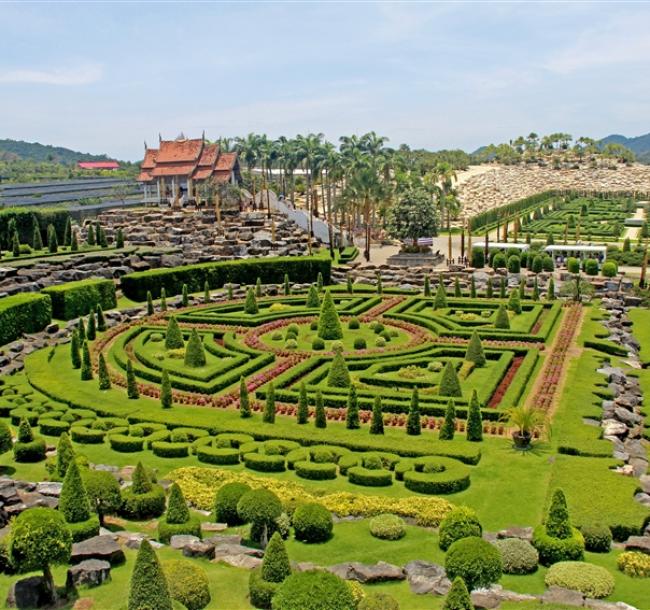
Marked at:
<point>639,145</point>
<point>15,150</point>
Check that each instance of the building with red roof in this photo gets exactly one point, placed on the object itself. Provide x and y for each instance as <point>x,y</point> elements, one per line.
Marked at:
<point>110,165</point>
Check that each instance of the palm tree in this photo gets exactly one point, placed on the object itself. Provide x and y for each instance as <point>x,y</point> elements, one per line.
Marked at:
<point>309,146</point>
<point>248,148</point>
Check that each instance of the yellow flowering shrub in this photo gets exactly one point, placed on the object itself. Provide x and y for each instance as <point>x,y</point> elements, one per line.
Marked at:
<point>634,563</point>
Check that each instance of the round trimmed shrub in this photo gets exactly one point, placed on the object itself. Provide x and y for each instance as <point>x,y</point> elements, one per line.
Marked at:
<point>318,344</point>
<point>291,344</point>
<point>145,505</point>
<point>378,601</point>
<point>598,537</point>
<point>591,266</point>
<point>170,450</point>
<point>312,522</point>
<point>634,563</point>
<point>297,455</point>
<point>260,508</point>
<point>353,323</point>
<point>52,427</point>
<point>518,556</point>
<point>380,342</point>
<point>125,443</point>
<point>387,527</point>
<point>280,447</point>
<point>84,529</point>
<point>551,549</point>
<point>32,451</point>
<point>265,463</point>
<point>188,583</point>
<point>476,561</point>
<point>86,436</point>
<point>461,522</point>
<point>609,269</point>
<point>225,503</point>
<point>261,591</point>
<point>348,461</point>
<point>573,265</point>
<point>313,325</point>
<point>369,478</point>
<point>590,580</point>
<point>308,590</point>
<point>315,471</point>
<point>372,461</point>
<point>218,455</point>
<point>437,481</point>
<point>360,343</point>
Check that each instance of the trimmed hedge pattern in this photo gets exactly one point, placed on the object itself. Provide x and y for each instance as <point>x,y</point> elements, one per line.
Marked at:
<point>76,299</point>
<point>23,313</point>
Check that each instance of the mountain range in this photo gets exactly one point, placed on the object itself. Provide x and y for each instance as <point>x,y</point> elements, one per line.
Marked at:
<point>639,145</point>
<point>14,150</point>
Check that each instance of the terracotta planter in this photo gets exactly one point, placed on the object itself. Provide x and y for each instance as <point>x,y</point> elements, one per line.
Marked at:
<point>521,439</point>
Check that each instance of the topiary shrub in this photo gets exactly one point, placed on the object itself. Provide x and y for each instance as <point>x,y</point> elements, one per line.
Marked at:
<point>188,583</point>
<point>474,560</point>
<point>598,537</point>
<point>329,325</point>
<point>634,563</point>
<point>226,500</point>
<point>353,324</point>
<point>518,556</point>
<point>387,527</point>
<point>474,351</point>
<point>458,597</point>
<point>312,522</point>
<point>149,588</point>
<point>177,519</point>
<point>573,265</point>
<point>461,522</point>
<point>315,471</point>
<point>591,266</point>
<point>260,591</point>
<point>338,376</point>
<point>449,383</point>
<point>590,580</point>
<point>551,549</point>
<point>260,508</point>
<point>308,590</point>
<point>195,352</point>
<point>143,499</point>
<point>378,601</point>
<point>318,344</point>
<point>369,477</point>
<point>27,447</point>
<point>173,336</point>
<point>502,321</point>
<point>75,506</point>
<point>360,343</point>
<point>609,269</point>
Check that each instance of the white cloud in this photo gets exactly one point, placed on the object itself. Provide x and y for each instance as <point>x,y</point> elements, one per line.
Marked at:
<point>82,74</point>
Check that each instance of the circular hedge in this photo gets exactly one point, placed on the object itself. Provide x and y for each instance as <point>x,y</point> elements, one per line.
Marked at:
<point>387,527</point>
<point>590,580</point>
<point>143,506</point>
<point>225,502</point>
<point>233,439</point>
<point>476,561</point>
<point>188,583</point>
<point>297,455</point>
<point>218,455</point>
<point>518,556</point>
<point>265,463</point>
<point>315,471</point>
<point>125,443</point>
<point>170,450</point>
<point>53,427</point>
<point>598,537</point>
<point>551,550</point>
<point>86,436</point>
<point>32,451</point>
<point>437,475</point>
<point>461,522</point>
<point>369,478</point>
<point>308,590</point>
<point>312,522</point>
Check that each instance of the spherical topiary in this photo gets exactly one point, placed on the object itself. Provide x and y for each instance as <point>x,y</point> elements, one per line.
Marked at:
<point>590,580</point>
<point>635,564</point>
<point>353,323</point>
<point>476,561</point>
<point>380,342</point>
<point>518,556</point>
<point>226,500</point>
<point>290,344</point>
<point>260,508</point>
<point>318,344</point>
<point>387,527</point>
<point>311,590</point>
<point>360,343</point>
<point>312,522</point>
<point>598,537</point>
<point>591,266</point>
<point>461,522</point>
<point>378,601</point>
<point>188,583</point>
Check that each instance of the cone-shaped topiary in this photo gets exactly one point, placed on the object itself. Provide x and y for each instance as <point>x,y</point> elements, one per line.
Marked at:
<point>185,299</point>
<point>413,426</point>
<point>91,327</point>
<point>15,245</point>
<point>514,302</point>
<point>73,501</point>
<point>104,379</point>
<point>163,299</point>
<point>502,288</point>
<point>550,291</point>
<point>52,240</point>
<point>64,455</point>
<point>86,366</point>
<point>75,350</point>
<point>275,566</point>
<point>6,441</point>
<point>457,291</point>
<point>177,511</point>
<point>195,352</point>
<point>352,413</point>
<point>458,597</point>
<point>165,390</point>
<point>313,300</point>
<point>320,419</point>
<point>25,433</point>
<point>380,288</point>
<point>258,288</point>
<point>449,383</point>
<point>67,234</point>
<point>441,296</point>
<point>206,292</point>
<point>427,286</point>
<point>329,325</point>
<point>474,351</point>
<point>244,400</point>
<point>377,421</point>
<point>319,282</point>
<point>101,320</point>
<point>472,288</point>
<point>173,335</point>
<point>119,239</point>
<point>37,240</point>
<point>74,244</point>
<point>449,425</point>
<point>558,524</point>
<point>502,320</point>
<point>250,306</point>
<point>349,284</point>
<point>90,237</point>
<point>140,482</point>
<point>268,416</point>
<point>302,414</point>
<point>489,291</point>
<point>131,384</point>
<point>150,308</point>
<point>338,376</point>
<point>148,589</point>
<point>474,419</point>
<point>286,285</point>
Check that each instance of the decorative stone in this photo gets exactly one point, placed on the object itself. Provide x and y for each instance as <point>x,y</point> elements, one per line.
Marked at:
<point>523,533</point>
<point>97,547</point>
<point>181,540</point>
<point>638,543</point>
<point>90,573</point>
<point>368,573</point>
<point>559,595</point>
<point>27,593</point>
<point>247,562</point>
<point>425,577</point>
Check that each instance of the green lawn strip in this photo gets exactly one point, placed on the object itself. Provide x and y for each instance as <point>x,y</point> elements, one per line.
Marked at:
<point>641,329</point>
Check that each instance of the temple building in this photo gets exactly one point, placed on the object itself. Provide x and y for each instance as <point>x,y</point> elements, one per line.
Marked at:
<point>175,171</point>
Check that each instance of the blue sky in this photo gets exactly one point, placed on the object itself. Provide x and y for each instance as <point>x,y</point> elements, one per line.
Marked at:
<point>104,77</point>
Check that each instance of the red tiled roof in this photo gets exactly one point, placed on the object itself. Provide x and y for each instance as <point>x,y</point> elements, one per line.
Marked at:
<point>202,174</point>
<point>173,169</point>
<point>144,177</point>
<point>174,151</point>
<point>209,155</point>
<point>98,164</point>
<point>149,161</point>
<point>226,161</point>
<point>222,176</point>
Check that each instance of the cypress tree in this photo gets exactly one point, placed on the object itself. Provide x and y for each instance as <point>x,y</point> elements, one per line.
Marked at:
<point>427,286</point>
<point>74,243</point>
<point>229,292</point>
<point>244,400</point>
<point>91,327</point>
<point>15,245</point>
<point>86,366</point>
<point>320,418</point>
<point>75,349</point>
<point>140,481</point>
<point>449,383</point>
<point>25,432</point>
<point>37,240</point>
<point>163,299</point>
<point>206,292</point>
<point>90,238</point>
<point>81,329</point>
<point>458,597</point>
<point>489,293</point>
<point>413,426</point>
<point>73,501</point>
<point>101,320</point>
<point>313,300</point>
<point>380,288</point>
<point>269,407</point>
<point>457,291</point>
<point>377,421</point>
<point>67,233</point>
<point>286,285</point>
<point>502,320</point>
<point>52,241</point>
<point>185,299</point>
<point>329,325</point>
<point>550,291</point>
<point>350,285</point>
<point>177,511</point>
<point>64,455</point>
<point>319,281</point>
<point>535,290</point>
<point>119,239</point>
<point>502,288</point>
<point>101,236</point>
<point>338,376</point>
<point>441,296</point>
<point>150,309</point>
<point>522,289</point>
<point>449,425</point>
<point>250,306</point>
<point>165,390</point>
<point>275,565</point>
<point>131,384</point>
<point>475,351</point>
<point>148,588</point>
<point>173,335</point>
<point>258,288</point>
<point>352,413</point>
<point>558,524</point>
<point>514,302</point>
<point>303,405</point>
<point>472,288</point>
<point>195,352</point>
<point>474,419</point>
<point>104,379</point>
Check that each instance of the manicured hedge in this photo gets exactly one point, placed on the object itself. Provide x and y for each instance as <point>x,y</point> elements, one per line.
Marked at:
<point>265,463</point>
<point>170,450</point>
<point>218,455</point>
<point>25,224</point>
<point>269,270</point>
<point>76,299</point>
<point>143,506</point>
<point>23,313</point>
<point>52,427</point>
<point>370,478</point>
<point>315,471</point>
<point>125,444</point>
<point>81,434</point>
<point>437,476</point>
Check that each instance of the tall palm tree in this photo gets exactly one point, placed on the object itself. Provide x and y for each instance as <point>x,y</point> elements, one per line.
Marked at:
<point>309,146</point>
<point>248,149</point>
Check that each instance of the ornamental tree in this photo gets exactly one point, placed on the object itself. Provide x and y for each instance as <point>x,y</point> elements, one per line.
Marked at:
<point>250,306</point>
<point>268,416</point>
<point>91,327</point>
<point>104,379</point>
<point>558,524</point>
<point>173,335</point>
<point>86,366</point>
<point>75,350</point>
<point>163,299</point>
<point>302,413</point>
<point>177,511</point>
<point>206,292</point>
<point>313,300</point>
<point>475,351</point>
<point>286,285</point>
<point>140,481</point>
<point>514,302</point>
<point>502,321</point>
<point>258,288</point>
<point>74,244</point>
<point>413,426</point>
<point>413,215</point>
<point>338,376</point>
<point>64,455</point>
<point>352,413</point>
<point>441,296</point>
<point>329,325</point>
<point>6,442</point>
<point>101,320</point>
<point>52,241</point>
<point>195,352</point>
<point>150,309</point>
<point>244,400</point>
<point>377,421</point>
<point>449,425</point>
<point>103,492</point>
<point>472,288</point>
<point>119,239</point>
<point>260,508</point>
<point>427,286</point>
<point>148,588</point>
<point>458,597</point>
<point>165,390</point>
<point>73,501</point>
<point>320,419</point>
<point>550,291</point>
<point>474,419</point>
<point>275,565</point>
<point>37,240</point>
<point>132,391</point>
<point>449,383</point>
<point>185,297</point>
<point>457,291</point>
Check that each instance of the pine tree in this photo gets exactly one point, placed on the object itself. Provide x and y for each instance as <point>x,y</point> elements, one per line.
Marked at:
<point>303,405</point>
<point>457,291</point>
<point>352,413</point>
<point>449,425</point>
<point>441,297</point>
<point>244,400</point>
<point>338,376</point>
<point>195,352</point>
<point>502,288</point>
<point>86,366</point>
<point>81,329</point>
<point>319,282</point>
<point>101,320</point>
<point>74,243</point>
<point>472,288</point>
<point>230,292</point>
<point>329,325</point>
<point>535,290</point>
<point>64,455</point>
<point>514,302</point>
<point>427,286</point>
<point>313,300</point>
<point>268,416</point>
<point>67,233</point>
<point>163,299</point>
<point>275,565</point>
<point>206,292</point>
<point>148,588</point>
<point>150,309</point>
<point>173,335</point>
<point>73,501</point>
<point>140,481</point>
<point>475,351</point>
<point>413,426</point>
<point>550,291</point>
<point>258,288</point>
<point>75,349</point>
<point>474,419</point>
<point>185,299</point>
<point>350,285</point>
<point>449,383</point>
<point>177,511</point>
<point>458,597</point>
<point>320,419</point>
<point>489,293</point>
<point>104,379</point>
<point>250,306</point>
<point>91,327</point>
<point>52,241</point>
<point>286,285</point>
<point>377,421</point>
<point>90,238</point>
<point>558,523</point>
<point>502,321</point>
<point>15,245</point>
<point>132,391</point>
<point>25,432</point>
<point>119,239</point>
<point>380,288</point>
<point>37,240</point>
<point>165,390</point>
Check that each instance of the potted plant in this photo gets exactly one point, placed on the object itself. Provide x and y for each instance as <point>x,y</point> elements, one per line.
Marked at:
<point>527,421</point>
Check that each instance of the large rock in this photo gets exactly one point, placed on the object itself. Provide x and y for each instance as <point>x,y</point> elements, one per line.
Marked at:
<point>198,549</point>
<point>368,573</point>
<point>180,541</point>
<point>485,599</point>
<point>27,593</point>
<point>97,547</point>
<point>561,596</point>
<point>638,543</point>
<point>224,550</point>
<point>246,562</point>
<point>524,533</point>
<point>425,577</point>
<point>89,573</point>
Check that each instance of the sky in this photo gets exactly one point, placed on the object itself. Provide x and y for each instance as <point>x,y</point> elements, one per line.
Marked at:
<point>104,77</point>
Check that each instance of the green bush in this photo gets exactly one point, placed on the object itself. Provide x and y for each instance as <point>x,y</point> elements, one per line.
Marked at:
<point>318,344</point>
<point>598,537</point>
<point>260,508</point>
<point>590,580</point>
<point>634,563</point>
<point>353,323</point>
<point>360,343</point>
<point>458,597</point>
<point>149,587</point>
<point>188,583</point>
<point>308,590</point>
<point>166,530</point>
<point>312,522</point>
<point>502,321</point>
<point>76,299</point>
<point>6,441</point>
<point>369,478</point>
<point>474,560</point>
<point>449,383</point>
<point>387,527</point>
<point>73,501</point>
<point>218,455</point>
<point>27,447</point>
<point>315,471</point>
<point>378,601</point>
<point>53,427</point>
<point>461,522</point>
<point>514,264</point>
<point>103,492</point>
<point>84,529</point>
<point>591,266</point>
<point>143,499</point>
<point>518,556</point>
<point>338,376</point>
<point>125,443</point>
<point>265,463</point>
<point>226,500</point>
<point>260,591</point>
<point>23,313</point>
<point>170,450</point>
<point>551,549</point>
<point>173,335</point>
<point>83,435</point>
<point>329,325</point>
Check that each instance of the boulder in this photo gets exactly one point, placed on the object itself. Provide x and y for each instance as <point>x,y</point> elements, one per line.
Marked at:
<point>224,550</point>
<point>561,596</point>
<point>27,593</point>
<point>368,573</point>
<point>89,573</point>
<point>425,577</point>
<point>638,543</point>
<point>247,562</point>
<point>524,533</point>
<point>485,599</point>
<point>97,547</point>
<point>180,541</point>
<point>49,488</point>
<point>198,549</point>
